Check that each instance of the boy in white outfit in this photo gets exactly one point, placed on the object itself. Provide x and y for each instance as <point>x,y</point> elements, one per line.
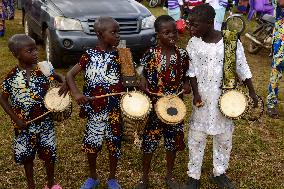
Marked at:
<point>206,52</point>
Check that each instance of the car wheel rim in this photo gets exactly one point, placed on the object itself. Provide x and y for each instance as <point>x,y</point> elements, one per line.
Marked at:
<point>26,28</point>
<point>47,49</point>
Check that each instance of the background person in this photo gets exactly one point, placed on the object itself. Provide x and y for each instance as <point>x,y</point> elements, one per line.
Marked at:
<point>277,65</point>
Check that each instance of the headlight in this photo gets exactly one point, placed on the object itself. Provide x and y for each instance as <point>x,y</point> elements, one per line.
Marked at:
<point>148,22</point>
<point>62,23</point>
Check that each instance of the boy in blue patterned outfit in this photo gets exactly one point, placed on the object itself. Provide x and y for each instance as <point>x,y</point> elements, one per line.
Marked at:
<point>102,75</point>
<point>22,95</point>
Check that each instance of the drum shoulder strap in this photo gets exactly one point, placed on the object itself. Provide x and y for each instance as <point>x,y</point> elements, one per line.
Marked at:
<point>230,39</point>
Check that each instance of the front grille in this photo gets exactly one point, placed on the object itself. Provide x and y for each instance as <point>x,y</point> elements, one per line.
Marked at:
<point>127,26</point>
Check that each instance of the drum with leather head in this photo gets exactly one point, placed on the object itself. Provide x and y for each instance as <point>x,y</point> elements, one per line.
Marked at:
<point>59,106</point>
<point>170,109</point>
<point>233,104</point>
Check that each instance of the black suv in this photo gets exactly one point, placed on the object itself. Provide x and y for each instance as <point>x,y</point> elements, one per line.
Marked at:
<point>66,26</point>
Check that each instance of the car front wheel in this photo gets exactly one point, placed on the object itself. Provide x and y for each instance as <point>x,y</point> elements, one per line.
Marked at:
<point>27,28</point>
<point>50,53</point>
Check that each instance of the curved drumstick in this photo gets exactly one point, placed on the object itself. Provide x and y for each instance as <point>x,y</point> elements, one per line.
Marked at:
<point>160,94</point>
<point>106,95</point>
<point>157,94</point>
<point>28,122</point>
<point>90,98</point>
<point>200,104</point>
<point>175,95</point>
<point>180,92</point>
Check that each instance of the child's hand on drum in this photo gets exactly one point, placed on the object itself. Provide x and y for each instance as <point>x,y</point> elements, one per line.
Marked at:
<point>21,123</point>
<point>81,99</point>
<point>63,89</point>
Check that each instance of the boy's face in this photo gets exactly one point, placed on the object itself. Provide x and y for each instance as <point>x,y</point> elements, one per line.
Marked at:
<point>198,28</point>
<point>28,54</point>
<point>167,34</point>
<point>110,34</point>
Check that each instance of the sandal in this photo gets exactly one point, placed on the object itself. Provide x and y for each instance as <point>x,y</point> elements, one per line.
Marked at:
<point>113,184</point>
<point>192,183</point>
<point>141,185</point>
<point>172,183</point>
<point>273,113</point>
<point>90,183</point>
<point>223,182</point>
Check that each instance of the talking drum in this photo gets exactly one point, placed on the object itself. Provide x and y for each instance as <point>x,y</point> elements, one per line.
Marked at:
<point>233,104</point>
<point>170,109</point>
<point>60,107</point>
<point>135,107</point>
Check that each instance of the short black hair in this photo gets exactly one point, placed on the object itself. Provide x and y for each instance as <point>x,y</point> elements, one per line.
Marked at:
<point>18,41</point>
<point>162,19</point>
<point>101,21</point>
<point>204,13</point>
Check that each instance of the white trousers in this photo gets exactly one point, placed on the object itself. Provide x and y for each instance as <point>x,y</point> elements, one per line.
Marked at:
<point>222,146</point>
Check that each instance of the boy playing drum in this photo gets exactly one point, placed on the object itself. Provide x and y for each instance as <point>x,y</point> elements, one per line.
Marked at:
<point>102,71</point>
<point>23,91</point>
<point>163,70</point>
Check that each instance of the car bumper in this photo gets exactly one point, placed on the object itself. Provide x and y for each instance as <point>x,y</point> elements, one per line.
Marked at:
<point>70,45</point>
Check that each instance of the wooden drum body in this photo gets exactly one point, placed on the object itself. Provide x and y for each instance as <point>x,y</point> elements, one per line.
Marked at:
<point>254,113</point>
<point>135,107</point>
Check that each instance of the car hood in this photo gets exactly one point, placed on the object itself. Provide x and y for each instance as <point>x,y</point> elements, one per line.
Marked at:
<point>86,9</point>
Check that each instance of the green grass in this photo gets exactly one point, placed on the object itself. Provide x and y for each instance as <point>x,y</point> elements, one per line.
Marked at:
<point>257,159</point>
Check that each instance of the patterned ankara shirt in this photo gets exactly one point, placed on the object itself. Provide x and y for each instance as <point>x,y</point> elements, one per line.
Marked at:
<point>161,79</point>
<point>26,99</point>
<point>102,76</point>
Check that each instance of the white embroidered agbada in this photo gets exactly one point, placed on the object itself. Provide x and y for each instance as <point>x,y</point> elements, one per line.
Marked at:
<point>207,66</point>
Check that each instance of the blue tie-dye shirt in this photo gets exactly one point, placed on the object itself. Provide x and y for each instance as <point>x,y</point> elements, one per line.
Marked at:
<point>26,99</point>
<point>102,76</point>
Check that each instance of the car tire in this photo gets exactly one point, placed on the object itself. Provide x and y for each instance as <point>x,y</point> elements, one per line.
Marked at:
<point>27,28</point>
<point>50,53</point>
<point>253,48</point>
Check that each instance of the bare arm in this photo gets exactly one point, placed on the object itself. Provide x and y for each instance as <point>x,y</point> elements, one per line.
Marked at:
<point>186,86</point>
<point>7,108</point>
<point>59,77</point>
<point>70,78</point>
<point>196,96</point>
